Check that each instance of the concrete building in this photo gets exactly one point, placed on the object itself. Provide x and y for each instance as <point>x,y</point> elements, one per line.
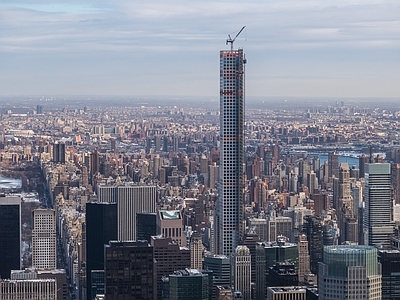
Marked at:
<point>168,257</point>
<point>241,263</point>
<point>286,293</point>
<point>230,205</point>
<point>29,289</point>
<point>170,225</point>
<point>350,272</point>
<point>196,251</point>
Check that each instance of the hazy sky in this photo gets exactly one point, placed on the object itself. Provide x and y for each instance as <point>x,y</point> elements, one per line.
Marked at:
<point>125,47</point>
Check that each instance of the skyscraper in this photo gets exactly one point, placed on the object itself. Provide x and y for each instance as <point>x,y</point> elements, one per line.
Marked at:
<point>378,212</point>
<point>168,257</point>
<point>349,272</point>
<point>10,235</point>
<point>230,204</point>
<point>129,270</point>
<point>44,239</point>
<point>101,228</point>
<point>196,251</point>
<point>242,271</point>
<point>59,152</point>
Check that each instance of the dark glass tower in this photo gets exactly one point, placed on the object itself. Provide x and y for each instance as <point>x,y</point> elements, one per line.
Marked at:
<point>129,271</point>
<point>230,206</point>
<point>390,262</point>
<point>10,235</point>
<point>312,228</point>
<point>146,226</point>
<point>101,228</point>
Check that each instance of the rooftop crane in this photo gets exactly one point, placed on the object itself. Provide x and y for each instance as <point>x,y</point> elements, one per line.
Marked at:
<point>230,40</point>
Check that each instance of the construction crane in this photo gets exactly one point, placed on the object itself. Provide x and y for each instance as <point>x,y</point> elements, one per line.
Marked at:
<point>230,40</point>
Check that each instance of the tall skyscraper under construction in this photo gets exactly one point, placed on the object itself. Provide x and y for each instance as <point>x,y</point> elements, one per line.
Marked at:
<point>229,211</point>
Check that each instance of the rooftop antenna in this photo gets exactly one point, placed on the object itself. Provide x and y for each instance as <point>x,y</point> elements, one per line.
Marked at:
<point>230,40</point>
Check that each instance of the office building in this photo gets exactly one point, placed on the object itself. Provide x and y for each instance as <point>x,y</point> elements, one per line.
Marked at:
<point>44,239</point>
<point>230,204</point>
<point>28,289</point>
<point>101,228</point>
<point>223,292</point>
<point>242,271</point>
<point>97,282</point>
<point>378,212</point>
<point>59,275</point>
<point>10,235</point>
<point>168,257</point>
<point>283,274</point>
<point>349,272</point>
<point>286,293</point>
<point>390,262</point>
<point>59,152</point>
<point>220,265</point>
<point>170,225</point>
<point>333,164</point>
<point>146,226</point>
<point>268,254</point>
<point>304,257</point>
<point>133,199</point>
<point>312,228</point>
<point>130,199</point>
<point>196,251</point>
<point>128,270</point>
<point>187,284</point>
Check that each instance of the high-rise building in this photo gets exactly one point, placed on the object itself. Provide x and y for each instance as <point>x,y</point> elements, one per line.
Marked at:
<point>170,225</point>
<point>168,257</point>
<point>44,289</point>
<point>128,270</point>
<point>312,228</point>
<point>10,235</point>
<point>131,200</point>
<point>187,284</point>
<point>268,254</point>
<point>304,257</point>
<point>220,265</point>
<point>378,212</point>
<point>283,274</point>
<point>146,226</point>
<point>196,251</point>
<point>230,204</point>
<point>333,164</point>
<point>241,262</point>
<point>101,228</point>
<point>59,152</point>
<point>390,262</point>
<point>59,275</point>
<point>349,272</point>
<point>286,293</point>
<point>44,239</point>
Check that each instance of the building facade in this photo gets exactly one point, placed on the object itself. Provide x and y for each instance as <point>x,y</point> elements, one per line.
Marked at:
<point>128,270</point>
<point>44,239</point>
<point>230,204</point>
<point>378,212</point>
<point>10,235</point>
<point>350,272</point>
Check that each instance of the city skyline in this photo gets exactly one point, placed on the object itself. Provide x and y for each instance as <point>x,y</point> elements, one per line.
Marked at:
<point>308,49</point>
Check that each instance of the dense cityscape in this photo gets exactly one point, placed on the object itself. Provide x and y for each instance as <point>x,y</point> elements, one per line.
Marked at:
<point>229,196</point>
<point>109,201</point>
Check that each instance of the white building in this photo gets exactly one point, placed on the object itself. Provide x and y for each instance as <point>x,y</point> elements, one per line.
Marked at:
<point>44,239</point>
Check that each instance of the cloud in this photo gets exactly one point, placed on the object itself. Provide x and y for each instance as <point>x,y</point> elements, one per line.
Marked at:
<point>296,39</point>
